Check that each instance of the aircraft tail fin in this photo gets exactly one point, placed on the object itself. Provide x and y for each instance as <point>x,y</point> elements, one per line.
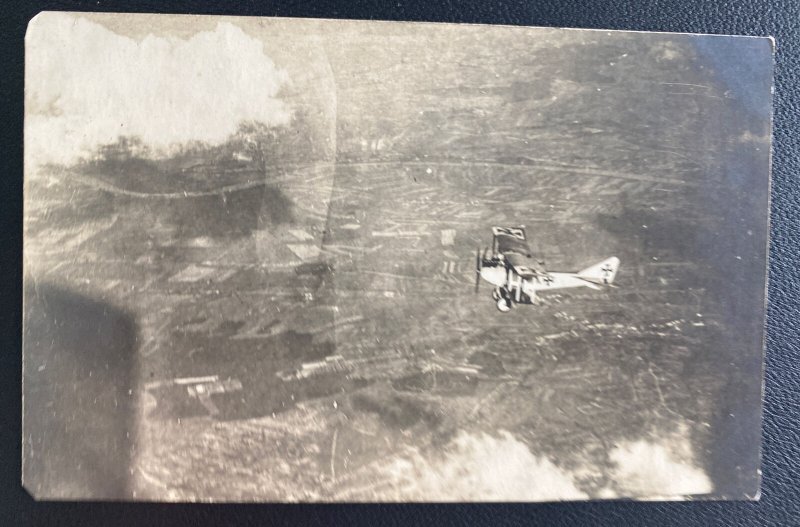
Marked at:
<point>602,273</point>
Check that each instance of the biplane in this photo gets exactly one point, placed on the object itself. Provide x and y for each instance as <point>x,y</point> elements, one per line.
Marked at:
<point>518,277</point>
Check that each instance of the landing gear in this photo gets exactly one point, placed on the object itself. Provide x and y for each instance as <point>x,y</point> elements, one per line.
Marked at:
<point>503,298</point>
<point>504,304</point>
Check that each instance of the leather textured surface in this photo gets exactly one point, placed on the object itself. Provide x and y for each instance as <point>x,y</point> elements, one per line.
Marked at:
<point>780,501</point>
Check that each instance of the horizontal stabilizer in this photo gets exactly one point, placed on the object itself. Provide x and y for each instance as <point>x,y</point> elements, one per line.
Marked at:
<point>602,273</point>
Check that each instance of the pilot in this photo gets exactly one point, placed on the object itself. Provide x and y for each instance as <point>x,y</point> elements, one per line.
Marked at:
<point>501,258</point>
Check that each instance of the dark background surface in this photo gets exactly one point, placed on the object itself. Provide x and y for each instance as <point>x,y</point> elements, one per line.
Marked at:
<point>780,502</point>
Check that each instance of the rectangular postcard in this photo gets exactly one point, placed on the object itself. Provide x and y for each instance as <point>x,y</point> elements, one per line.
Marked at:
<point>290,260</point>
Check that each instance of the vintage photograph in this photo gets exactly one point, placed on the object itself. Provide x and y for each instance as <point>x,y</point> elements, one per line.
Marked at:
<point>298,260</point>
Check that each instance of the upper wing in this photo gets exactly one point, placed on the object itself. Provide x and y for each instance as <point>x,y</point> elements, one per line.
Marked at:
<point>511,240</point>
<point>514,232</point>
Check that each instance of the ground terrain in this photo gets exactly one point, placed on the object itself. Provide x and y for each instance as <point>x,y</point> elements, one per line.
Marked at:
<point>360,252</point>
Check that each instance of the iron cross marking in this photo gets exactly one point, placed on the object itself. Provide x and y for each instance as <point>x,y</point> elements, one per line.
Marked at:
<point>606,270</point>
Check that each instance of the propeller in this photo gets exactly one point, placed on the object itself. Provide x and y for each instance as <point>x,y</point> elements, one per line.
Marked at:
<point>478,267</point>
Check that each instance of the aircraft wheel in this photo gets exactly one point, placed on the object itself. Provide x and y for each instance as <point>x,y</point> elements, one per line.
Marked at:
<point>503,305</point>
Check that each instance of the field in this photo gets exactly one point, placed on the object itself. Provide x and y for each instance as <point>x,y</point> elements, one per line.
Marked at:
<point>305,326</point>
